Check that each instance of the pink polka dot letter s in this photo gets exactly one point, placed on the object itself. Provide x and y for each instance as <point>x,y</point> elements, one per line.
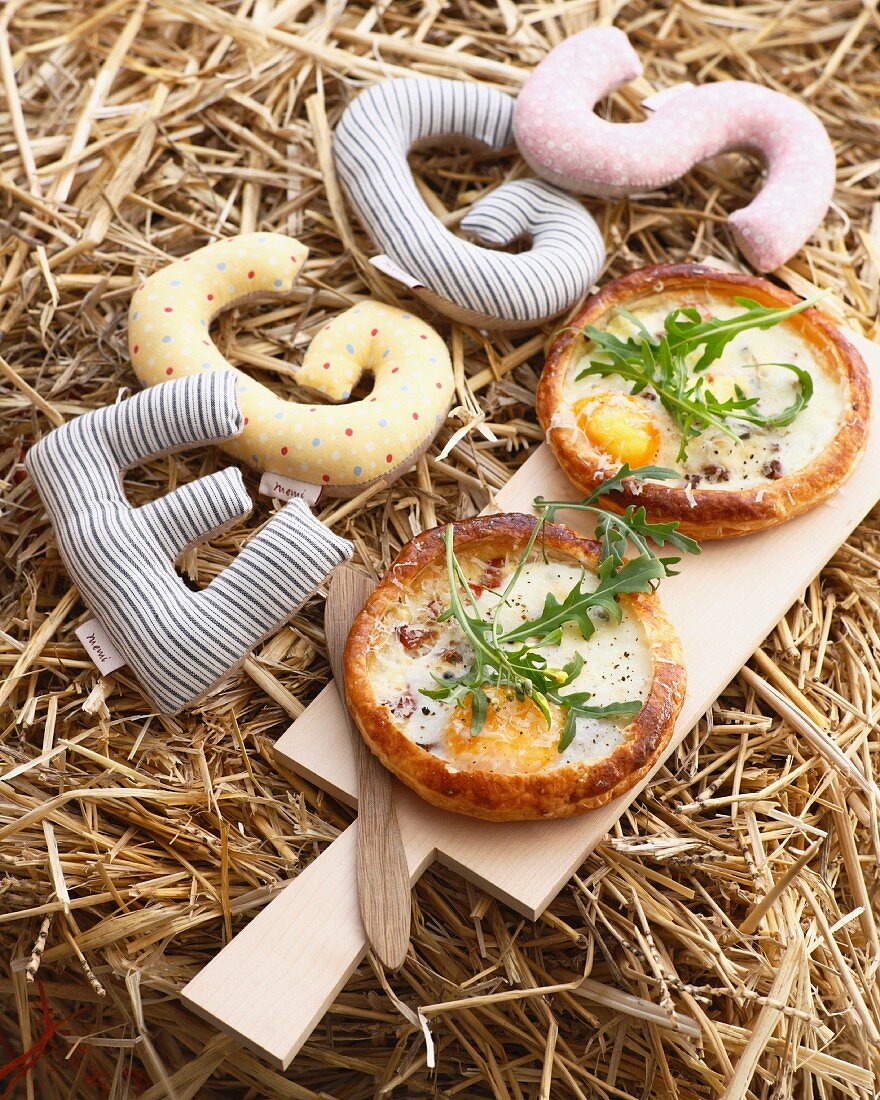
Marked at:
<point>567,144</point>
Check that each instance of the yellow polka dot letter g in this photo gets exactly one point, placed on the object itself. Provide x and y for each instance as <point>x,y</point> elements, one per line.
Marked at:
<point>336,443</point>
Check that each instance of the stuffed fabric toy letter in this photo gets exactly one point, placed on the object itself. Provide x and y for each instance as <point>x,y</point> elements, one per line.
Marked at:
<point>337,445</point>
<point>456,277</point>
<point>565,142</point>
<point>179,643</point>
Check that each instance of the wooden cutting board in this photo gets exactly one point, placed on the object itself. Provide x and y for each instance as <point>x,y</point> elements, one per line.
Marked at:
<point>272,984</point>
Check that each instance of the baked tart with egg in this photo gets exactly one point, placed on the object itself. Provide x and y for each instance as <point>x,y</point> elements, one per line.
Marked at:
<point>754,399</point>
<point>437,703</point>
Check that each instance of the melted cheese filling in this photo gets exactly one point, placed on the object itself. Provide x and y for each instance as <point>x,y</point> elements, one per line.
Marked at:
<point>714,461</point>
<point>411,651</point>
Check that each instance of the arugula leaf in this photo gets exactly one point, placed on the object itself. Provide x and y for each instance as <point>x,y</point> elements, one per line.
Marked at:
<point>569,729</point>
<point>715,334</point>
<point>614,483</point>
<point>660,362</point>
<point>512,660</point>
<point>479,709</point>
<point>573,669</point>
<point>507,661</point>
<point>614,532</point>
<point>635,575</point>
<point>634,524</point>
<point>576,705</point>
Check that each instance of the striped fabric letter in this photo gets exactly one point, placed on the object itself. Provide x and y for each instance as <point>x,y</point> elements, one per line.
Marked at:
<point>461,279</point>
<point>179,643</point>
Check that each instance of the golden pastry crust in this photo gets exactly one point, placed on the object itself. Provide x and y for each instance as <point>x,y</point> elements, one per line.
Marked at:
<point>711,513</point>
<point>562,792</point>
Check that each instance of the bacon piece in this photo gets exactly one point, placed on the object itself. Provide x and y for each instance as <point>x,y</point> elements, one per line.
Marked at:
<point>493,572</point>
<point>489,578</point>
<point>403,706</point>
<point>413,637</point>
<point>716,473</point>
<point>772,469</point>
<point>452,656</point>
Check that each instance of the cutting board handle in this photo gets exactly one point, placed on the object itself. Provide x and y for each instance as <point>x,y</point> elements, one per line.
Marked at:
<point>275,980</point>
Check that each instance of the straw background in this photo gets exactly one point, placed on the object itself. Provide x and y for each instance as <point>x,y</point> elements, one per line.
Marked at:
<point>727,927</point>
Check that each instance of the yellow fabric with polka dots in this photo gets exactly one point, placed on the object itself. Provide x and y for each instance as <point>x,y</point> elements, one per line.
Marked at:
<point>342,447</point>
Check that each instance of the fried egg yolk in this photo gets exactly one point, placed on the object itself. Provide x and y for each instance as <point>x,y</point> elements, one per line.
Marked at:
<point>514,739</point>
<point>620,426</point>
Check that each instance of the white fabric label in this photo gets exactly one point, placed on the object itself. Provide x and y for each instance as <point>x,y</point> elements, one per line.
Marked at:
<point>96,642</point>
<point>394,271</point>
<point>655,102</point>
<point>286,488</point>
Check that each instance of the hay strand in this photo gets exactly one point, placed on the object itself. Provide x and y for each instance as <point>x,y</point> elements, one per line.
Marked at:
<point>723,940</point>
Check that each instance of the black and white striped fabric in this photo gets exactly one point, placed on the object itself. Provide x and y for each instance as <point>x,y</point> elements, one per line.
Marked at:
<point>370,149</point>
<point>178,642</point>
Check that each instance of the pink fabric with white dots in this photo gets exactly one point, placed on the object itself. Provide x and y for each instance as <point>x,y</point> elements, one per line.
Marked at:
<point>566,143</point>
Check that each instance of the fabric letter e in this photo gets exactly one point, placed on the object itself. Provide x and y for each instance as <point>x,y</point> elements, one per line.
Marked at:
<point>178,642</point>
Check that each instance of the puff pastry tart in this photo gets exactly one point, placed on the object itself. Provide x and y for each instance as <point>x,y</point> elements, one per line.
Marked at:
<point>512,768</point>
<point>803,392</point>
